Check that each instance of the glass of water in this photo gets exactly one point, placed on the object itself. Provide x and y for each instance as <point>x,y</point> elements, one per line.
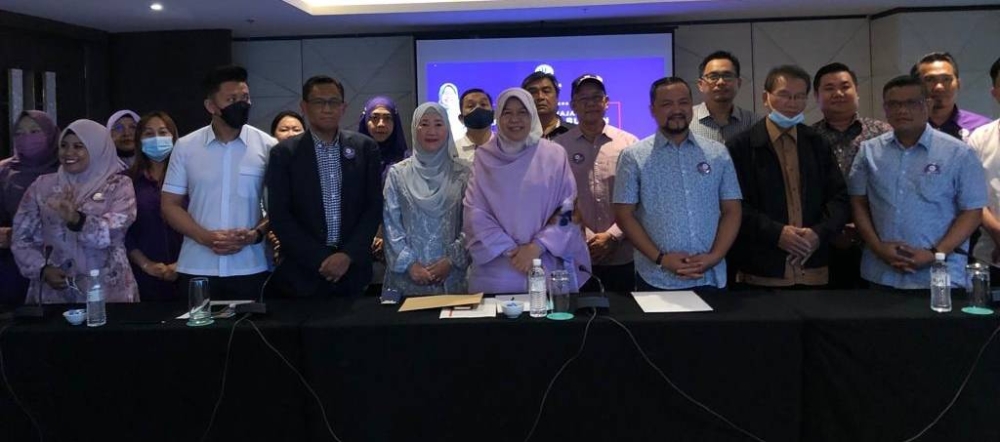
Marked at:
<point>559,291</point>
<point>199,303</point>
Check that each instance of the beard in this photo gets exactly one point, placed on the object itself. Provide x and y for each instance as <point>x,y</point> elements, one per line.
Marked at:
<point>675,130</point>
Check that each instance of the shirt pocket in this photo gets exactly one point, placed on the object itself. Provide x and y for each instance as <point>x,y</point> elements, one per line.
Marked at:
<point>935,188</point>
<point>250,180</point>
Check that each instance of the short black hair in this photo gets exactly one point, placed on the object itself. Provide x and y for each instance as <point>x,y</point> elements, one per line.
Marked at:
<point>222,74</point>
<point>666,81</point>
<point>904,81</point>
<point>317,80</point>
<point>281,116</point>
<point>719,55</point>
<point>786,71</point>
<point>461,99</point>
<point>935,57</point>
<point>539,75</point>
<point>995,70</point>
<point>833,68</point>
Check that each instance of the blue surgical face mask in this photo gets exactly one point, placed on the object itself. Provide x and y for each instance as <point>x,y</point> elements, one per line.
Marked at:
<point>784,122</point>
<point>157,148</point>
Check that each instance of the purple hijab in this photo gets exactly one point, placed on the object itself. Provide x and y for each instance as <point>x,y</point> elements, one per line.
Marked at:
<point>18,172</point>
<point>103,160</point>
<point>393,149</point>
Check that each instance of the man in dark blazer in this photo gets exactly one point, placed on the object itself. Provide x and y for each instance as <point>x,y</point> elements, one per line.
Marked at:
<point>324,200</point>
<point>794,196</point>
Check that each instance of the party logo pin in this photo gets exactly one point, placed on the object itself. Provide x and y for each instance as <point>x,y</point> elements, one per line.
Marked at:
<point>932,169</point>
<point>704,168</point>
<point>349,153</point>
<point>578,158</point>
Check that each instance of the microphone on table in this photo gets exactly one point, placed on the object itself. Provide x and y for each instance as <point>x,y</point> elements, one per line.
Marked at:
<point>599,302</point>
<point>36,310</point>
<point>257,308</point>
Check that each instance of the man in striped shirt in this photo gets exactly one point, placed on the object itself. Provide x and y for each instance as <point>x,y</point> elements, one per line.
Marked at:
<point>717,118</point>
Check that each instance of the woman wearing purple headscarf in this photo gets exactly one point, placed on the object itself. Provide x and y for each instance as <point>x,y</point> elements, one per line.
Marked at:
<point>121,126</point>
<point>381,121</point>
<point>519,202</point>
<point>35,141</point>
<point>75,220</point>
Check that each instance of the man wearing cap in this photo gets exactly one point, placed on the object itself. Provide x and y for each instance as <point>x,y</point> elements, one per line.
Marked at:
<point>593,148</point>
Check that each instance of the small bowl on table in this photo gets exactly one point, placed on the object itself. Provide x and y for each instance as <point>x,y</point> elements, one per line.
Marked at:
<point>75,316</point>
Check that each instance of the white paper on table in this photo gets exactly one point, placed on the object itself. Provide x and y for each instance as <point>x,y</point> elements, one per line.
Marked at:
<point>187,314</point>
<point>671,302</point>
<point>485,309</point>
<point>524,299</point>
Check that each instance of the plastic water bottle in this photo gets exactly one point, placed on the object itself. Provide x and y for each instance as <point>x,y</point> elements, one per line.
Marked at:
<point>536,290</point>
<point>940,285</point>
<point>96,315</point>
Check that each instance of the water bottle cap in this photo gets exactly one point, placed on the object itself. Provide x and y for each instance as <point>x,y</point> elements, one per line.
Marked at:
<point>939,256</point>
<point>536,262</point>
<point>95,272</point>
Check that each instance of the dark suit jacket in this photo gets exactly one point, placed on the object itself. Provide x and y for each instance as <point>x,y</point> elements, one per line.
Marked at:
<point>295,208</point>
<point>825,206</point>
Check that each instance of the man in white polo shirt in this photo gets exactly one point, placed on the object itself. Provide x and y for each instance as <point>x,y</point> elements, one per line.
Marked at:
<point>212,192</point>
<point>986,142</point>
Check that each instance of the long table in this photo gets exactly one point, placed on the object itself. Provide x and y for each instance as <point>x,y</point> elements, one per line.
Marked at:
<point>785,366</point>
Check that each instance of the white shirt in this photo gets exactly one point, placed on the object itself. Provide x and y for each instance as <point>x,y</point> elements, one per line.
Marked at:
<point>986,142</point>
<point>223,183</point>
<point>467,148</point>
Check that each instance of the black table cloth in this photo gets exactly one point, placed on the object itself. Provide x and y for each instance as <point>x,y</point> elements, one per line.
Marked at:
<point>786,366</point>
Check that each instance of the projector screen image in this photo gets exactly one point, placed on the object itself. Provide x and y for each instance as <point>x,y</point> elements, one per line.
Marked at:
<point>628,64</point>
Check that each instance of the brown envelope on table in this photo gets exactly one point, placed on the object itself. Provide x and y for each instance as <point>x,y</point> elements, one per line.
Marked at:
<point>439,301</point>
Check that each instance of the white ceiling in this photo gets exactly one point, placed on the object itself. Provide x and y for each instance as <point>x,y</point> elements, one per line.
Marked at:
<point>272,18</point>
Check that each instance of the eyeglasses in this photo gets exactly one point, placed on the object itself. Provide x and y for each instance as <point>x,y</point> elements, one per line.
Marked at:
<point>320,103</point>
<point>593,99</point>
<point>714,77</point>
<point>785,96</point>
<point>910,105</point>
<point>376,118</point>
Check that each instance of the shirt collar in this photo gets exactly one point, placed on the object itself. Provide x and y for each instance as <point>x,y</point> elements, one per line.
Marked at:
<point>774,132</point>
<point>701,112</point>
<point>320,143</point>
<point>924,140</point>
<point>661,140</point>
<point>210,136</point>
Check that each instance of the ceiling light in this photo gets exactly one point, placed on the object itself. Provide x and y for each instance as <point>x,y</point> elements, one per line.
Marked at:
<point>344,7</point>
<point>156,7</point>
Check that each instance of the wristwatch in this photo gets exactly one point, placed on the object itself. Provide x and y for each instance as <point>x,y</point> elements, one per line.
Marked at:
<point>659,258</point>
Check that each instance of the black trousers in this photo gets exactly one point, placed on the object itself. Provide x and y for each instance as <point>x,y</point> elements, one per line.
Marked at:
<point>618,279</point>
<point>228,287</point>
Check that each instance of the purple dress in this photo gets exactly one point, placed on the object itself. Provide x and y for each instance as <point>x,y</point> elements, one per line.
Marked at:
<point>509,202</point>
<point>16,174</point>
<point>154,238</point>
<point>99,244</point>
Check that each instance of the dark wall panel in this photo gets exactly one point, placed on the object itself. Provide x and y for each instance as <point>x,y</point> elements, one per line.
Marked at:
<point>163,71</point>
<point>77,55</point>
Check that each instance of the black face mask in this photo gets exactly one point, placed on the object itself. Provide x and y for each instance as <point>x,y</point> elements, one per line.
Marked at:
<point>479,118</point>
<point>237,114</point>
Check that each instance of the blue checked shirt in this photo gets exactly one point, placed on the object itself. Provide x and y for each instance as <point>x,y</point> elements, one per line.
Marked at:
<point>331,180</point>
<point>914,195</point>
<point>677,190</point>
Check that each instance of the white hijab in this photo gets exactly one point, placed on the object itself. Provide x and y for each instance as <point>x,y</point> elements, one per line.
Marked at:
<point>506,144</point>
<point>430,177</point>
